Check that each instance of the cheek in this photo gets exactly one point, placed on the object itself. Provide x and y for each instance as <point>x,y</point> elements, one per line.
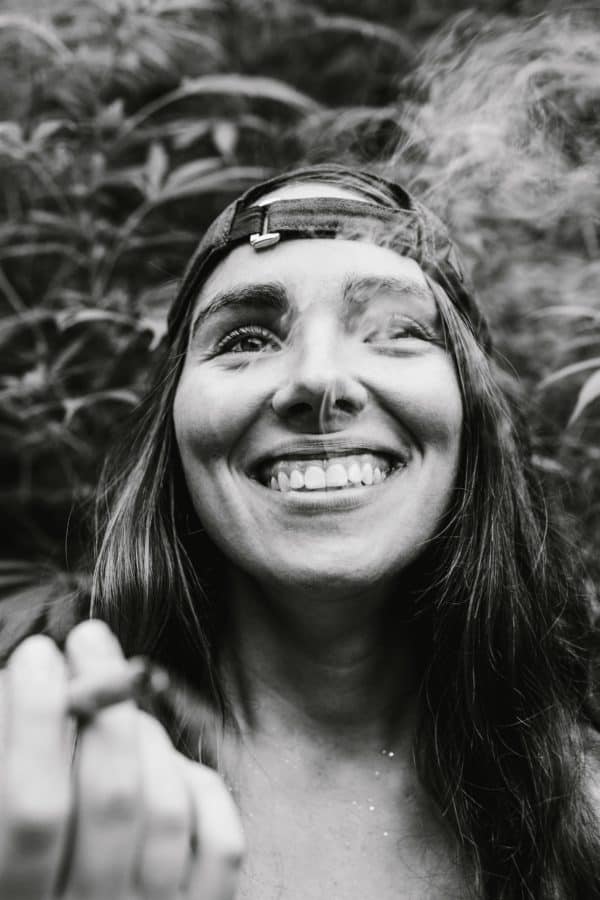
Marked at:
<point>210,413</point>
<point>423,395</point>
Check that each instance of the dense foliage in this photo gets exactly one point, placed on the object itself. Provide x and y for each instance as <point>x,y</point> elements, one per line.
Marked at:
<point>127,124</point>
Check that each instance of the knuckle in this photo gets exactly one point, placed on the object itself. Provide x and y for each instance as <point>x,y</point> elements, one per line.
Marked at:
<point>34,829</point>
<point>114,803</point>
<point>168,821</point>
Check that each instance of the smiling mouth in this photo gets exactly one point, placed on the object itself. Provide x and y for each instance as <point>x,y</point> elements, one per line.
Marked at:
<point>336,472</point>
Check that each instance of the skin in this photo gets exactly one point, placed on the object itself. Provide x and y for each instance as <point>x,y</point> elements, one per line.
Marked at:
<point>317,687</point>
<point>400,393</point>
<point>116,823</point>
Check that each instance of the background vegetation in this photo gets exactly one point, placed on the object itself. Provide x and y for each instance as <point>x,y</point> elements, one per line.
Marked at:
<point>127,124</point>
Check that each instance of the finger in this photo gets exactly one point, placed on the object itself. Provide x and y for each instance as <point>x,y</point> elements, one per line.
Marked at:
<point>35,770</point>
<point>215,868</point>
<point>165,837</point>
<point>106,828</point>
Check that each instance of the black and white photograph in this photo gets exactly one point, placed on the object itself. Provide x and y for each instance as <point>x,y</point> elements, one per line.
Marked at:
<point>299,450</point>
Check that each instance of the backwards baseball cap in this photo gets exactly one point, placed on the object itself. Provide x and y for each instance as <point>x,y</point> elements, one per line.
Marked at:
<point>388,216</point>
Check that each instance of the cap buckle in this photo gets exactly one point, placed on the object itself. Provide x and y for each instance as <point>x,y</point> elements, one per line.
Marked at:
<point>265,238</point>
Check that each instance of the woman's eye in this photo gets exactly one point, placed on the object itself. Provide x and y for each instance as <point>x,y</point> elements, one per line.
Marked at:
<point>395,332</point>
<point>249,339</point>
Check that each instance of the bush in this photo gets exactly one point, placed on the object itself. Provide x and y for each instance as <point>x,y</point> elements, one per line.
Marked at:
<point>129,124</point>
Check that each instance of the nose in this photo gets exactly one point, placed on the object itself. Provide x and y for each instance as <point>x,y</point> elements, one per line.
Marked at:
<point>321,394</point>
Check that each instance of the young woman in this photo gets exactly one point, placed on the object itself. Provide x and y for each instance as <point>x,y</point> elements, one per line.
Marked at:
<point>326,527</point>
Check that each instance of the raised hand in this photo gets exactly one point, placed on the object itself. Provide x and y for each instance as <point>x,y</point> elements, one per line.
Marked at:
<point>124,817</point>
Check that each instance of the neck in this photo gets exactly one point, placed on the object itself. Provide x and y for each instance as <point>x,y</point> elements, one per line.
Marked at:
<point>324,664</point>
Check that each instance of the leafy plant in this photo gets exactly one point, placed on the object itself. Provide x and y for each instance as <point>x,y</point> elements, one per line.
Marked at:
<point>128,124</point>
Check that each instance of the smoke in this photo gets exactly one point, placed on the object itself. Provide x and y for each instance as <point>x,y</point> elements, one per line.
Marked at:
<point>501,137</point>
<point>504,143</point>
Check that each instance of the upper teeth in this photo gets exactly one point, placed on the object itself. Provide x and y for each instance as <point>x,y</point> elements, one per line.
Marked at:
<point>322,474</point>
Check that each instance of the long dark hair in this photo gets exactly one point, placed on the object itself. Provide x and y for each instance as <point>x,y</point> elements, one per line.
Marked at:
<point>498,601</point>
<point>503,714</point>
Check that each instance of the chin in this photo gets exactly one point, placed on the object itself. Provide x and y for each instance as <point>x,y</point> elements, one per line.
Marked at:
<point>330,578</point>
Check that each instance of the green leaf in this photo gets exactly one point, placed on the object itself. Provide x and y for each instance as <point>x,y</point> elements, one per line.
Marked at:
<point>547,464</point>
<point>168,7</point>
<point>42,32</point>
<point>224,179</point>
<point>254,86</point>
<point>185,132</point>
<point>183,174</point>
<point>251,86</point>
<point>589,392</point>
<point>44,248</point>
<point>48,129</point>
<point>127,176</point>
<point>52,225</point>
<point>72,405</point>
<point>157,326</point>
<point>225,137</point>
<point>204,42</point>
<point>570,312</point>
<point>156,166</point>
<point>68,318</point>
<point>370,31</point>
<point>566,371</point>
<point>11,132</point>
<point>111,116</point>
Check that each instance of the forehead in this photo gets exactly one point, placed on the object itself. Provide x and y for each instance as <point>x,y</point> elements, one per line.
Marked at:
<point>311,268</point>
<point>301,190</point>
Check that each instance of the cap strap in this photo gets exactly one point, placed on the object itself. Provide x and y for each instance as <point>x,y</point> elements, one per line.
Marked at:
<point>311,217</point>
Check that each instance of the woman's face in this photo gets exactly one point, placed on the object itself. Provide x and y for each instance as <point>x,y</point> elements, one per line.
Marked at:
<point>318,415</point>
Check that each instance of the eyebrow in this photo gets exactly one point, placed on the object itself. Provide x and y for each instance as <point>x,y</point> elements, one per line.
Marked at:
<point>273,296</point>
<point>270,295</point>
<point>357,291</point>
